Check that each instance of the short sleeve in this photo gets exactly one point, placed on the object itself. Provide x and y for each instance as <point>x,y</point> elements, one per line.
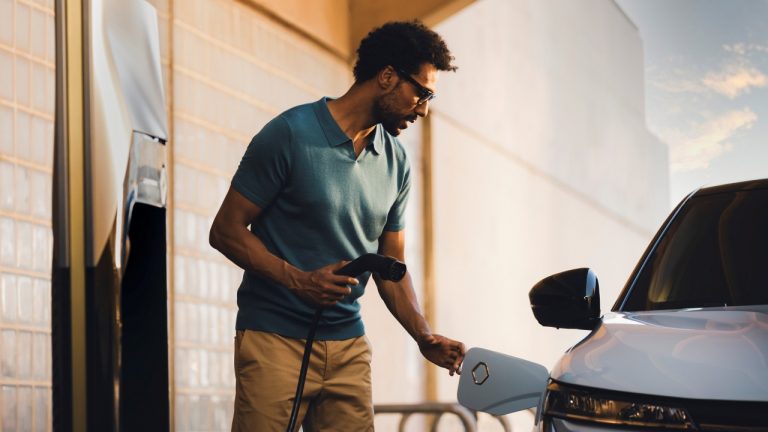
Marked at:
<point>396,216</point>
<point>266,164</point>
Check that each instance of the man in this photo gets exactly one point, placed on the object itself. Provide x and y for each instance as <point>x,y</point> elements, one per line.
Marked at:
<point>321,184</point>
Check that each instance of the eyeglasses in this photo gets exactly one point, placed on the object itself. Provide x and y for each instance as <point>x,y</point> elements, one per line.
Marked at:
<point>425,94</point>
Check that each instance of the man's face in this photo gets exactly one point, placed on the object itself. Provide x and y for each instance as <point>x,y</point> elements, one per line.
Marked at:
<point>400,106</point>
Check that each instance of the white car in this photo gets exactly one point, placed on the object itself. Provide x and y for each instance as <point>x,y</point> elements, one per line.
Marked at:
<point>685,346</point>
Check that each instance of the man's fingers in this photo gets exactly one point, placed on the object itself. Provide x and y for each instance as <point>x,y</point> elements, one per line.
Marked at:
<point>336,290</point>
<point>458,346</point>
<point>453,367</point>
<point>338,265</point>
<point>343,280</point>
<point>457,364</point>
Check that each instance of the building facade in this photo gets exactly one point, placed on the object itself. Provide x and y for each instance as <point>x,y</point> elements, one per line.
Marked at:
<point>541,162</point>
<point>535,159</point>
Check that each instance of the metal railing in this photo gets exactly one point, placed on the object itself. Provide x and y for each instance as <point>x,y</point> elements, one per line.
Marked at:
<point>436,409</point>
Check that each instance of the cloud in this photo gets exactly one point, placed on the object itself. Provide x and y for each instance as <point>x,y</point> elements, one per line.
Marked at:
<point>696,147</point>
<point>735,76</point>
<point>742,48</point>
<point>735,79</point>
<point>675,80</point>
<point>737,48</point>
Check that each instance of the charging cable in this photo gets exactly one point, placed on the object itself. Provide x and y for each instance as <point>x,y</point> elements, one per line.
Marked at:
<point>387,268</point>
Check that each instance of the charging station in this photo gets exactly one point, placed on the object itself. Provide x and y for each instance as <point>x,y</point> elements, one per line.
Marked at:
<point>109,283</point>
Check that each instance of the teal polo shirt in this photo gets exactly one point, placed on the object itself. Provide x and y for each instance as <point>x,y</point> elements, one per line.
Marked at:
<point>320,205</point>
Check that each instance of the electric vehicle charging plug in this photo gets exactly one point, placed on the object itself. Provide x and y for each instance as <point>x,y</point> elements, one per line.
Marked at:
<point>386,267</point>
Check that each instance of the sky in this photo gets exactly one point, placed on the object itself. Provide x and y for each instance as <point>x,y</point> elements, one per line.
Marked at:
<point>706,86</point>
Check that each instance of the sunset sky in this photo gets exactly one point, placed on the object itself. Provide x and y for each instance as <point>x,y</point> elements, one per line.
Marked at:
<point>706,68</point>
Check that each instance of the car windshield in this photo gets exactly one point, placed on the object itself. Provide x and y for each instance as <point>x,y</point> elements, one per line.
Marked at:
<point>714,254</point>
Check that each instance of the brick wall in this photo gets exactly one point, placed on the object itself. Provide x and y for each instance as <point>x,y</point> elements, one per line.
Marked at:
<point>26,152</point>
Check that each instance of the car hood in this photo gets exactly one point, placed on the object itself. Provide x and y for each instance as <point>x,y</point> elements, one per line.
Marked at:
<point>712,353</point>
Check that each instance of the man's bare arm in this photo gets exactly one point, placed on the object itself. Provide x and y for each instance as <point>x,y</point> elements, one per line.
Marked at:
<point>401,301</point>
<point>230,235</point>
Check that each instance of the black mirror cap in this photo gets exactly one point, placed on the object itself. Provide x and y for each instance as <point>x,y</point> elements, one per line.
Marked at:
<point>570,299</point>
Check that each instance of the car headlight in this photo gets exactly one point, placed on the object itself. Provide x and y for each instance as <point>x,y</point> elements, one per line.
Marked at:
<point>599,406</point>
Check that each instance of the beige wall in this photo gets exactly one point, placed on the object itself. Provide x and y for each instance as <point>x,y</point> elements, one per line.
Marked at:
<point>325,20</point>
<point>26,151</point>
<point>561,87</point>
<point>366,14</point>
<point>541,163</point>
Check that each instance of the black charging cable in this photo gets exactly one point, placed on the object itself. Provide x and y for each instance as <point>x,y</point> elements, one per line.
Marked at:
<point>387,268</point>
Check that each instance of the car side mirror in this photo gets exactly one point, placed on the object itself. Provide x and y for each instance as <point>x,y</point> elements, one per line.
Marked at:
<point>570,299</point>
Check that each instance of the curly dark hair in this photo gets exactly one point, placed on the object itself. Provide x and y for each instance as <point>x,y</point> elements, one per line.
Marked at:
<point>403,44</point>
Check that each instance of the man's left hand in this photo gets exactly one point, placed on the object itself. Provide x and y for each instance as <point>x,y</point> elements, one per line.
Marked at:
<point>443,352</point>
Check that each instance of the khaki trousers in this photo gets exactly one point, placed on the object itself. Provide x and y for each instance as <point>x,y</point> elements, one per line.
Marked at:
<point>337,392</point>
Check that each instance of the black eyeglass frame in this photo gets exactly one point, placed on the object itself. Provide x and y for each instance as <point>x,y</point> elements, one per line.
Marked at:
<point>425,94</point>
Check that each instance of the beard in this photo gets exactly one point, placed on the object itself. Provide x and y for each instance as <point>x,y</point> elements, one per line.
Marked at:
<point>386,113</point>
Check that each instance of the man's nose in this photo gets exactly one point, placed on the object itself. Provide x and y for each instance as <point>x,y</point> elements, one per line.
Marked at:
<point>423,109</point>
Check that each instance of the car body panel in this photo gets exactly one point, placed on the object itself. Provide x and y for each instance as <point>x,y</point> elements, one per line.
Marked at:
<point>712,353</point>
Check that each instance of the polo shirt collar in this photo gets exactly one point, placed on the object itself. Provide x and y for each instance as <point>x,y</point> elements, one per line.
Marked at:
<point>333,132</point>
<point>378,139</point>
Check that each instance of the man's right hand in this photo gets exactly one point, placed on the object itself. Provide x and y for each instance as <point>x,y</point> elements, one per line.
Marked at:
<point>322,287</point>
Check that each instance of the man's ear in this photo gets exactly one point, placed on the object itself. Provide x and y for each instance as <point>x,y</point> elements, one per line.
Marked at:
<point>386,78</point>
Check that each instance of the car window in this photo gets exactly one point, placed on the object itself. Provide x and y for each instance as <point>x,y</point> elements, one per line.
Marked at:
<point>715,253</point>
